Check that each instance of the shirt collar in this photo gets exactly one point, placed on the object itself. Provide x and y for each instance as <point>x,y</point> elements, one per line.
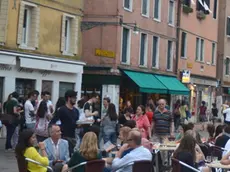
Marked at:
<point>54,143</point>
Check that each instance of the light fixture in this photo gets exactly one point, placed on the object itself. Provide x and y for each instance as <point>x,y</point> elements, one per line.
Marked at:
<point>135,30</point>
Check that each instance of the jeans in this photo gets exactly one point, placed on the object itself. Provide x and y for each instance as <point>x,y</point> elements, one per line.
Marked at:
<point>10,128</point>
<point>101,136</point>
<point>15,137</point>
<point>177,122</point>
<point>110,136</point>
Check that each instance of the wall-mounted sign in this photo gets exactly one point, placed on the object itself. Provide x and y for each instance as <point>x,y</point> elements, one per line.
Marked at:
<point>186,76</point>
<point>104,53</point>
<point>189,65</point>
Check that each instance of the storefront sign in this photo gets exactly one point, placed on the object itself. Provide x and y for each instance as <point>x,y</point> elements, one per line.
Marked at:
<point>5,67</point>
<point>25,70</point>
<point>45,72</point>
<point>104,53</point>
<point>189,65</point>
<point>186,76</point>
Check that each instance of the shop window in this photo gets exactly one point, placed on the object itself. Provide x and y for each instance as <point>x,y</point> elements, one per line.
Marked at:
<point>47,86</point>
<point>65,86</point>
<point>24,86</point>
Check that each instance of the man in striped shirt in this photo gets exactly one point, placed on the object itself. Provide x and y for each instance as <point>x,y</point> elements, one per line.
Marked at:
<point>163,125</point>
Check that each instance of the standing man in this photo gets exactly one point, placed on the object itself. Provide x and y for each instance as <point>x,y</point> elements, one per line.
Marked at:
<point>68,116</point>
<point>163,125</point>
<point>29,111</point>
<point>106,102</point>
<point>46,96</point>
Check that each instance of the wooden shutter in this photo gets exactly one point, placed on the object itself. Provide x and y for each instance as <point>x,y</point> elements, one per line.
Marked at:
<point>74,35</point>
<point>63,33</point>
<point>20,23</point>
<point>36,27</point>
<point>3,20</point>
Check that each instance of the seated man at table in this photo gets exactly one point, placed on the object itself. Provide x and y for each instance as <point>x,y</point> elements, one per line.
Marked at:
<point>57,149</point>
<point>139,153</point>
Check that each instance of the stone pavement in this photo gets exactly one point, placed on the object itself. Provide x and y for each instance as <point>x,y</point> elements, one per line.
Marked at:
<point>8,162</point>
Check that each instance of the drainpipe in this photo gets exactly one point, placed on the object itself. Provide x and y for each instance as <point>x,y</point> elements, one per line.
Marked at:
<point>178,35</point>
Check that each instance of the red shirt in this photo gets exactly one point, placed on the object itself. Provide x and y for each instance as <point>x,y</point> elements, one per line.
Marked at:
<point>150,116</point>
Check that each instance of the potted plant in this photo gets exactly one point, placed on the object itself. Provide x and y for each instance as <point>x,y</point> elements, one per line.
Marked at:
<point>200,15</point>
<point>187,9</point>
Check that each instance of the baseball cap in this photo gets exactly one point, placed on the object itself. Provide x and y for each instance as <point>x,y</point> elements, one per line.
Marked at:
<point>70,93</point>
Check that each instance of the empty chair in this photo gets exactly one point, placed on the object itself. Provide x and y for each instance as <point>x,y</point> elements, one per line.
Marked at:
<point>145,166</point>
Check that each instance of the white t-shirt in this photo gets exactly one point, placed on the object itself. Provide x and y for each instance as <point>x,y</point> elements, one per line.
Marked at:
<point>28,107</point>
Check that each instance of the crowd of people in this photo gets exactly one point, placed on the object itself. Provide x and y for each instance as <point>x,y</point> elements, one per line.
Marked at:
<point>53,137</point>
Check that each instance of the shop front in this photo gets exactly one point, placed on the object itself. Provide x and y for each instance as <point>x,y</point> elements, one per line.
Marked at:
<point>202,89</point>
<point>24,72</point>
<point>138,87</point>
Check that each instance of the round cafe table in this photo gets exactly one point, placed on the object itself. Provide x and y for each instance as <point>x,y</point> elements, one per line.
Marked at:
<point>217,164</point>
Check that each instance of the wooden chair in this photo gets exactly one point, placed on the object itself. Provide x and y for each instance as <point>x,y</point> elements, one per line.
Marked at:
<point>90,166</point>
<point>177,166</point>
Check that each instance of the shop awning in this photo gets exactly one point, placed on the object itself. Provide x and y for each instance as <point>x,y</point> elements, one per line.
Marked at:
<point>147,83</point>
<point>173,85</point>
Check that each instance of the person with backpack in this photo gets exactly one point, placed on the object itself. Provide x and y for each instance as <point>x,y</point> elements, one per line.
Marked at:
<point>176,114</point>
<point>202,112</point>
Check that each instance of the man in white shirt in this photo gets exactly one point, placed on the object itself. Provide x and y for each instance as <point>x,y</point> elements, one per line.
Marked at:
<point>29,111</point>
<point>139,153</point>
<point>46,96</point>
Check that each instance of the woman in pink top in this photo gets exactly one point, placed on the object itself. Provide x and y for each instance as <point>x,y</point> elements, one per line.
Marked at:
<point>142,122</point>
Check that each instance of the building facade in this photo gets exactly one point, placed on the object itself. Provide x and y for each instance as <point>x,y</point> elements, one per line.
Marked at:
<point>125,43</point>
<point>40,47</point>
<point>223,71</point>
<point>197,49</point>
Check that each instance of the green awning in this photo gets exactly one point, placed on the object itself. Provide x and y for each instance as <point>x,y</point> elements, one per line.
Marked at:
<point>147,83</point>
<point>173,85</point>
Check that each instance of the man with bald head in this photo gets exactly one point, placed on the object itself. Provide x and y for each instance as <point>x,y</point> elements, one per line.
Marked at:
<point>139,153</point>
<point>163,125</point>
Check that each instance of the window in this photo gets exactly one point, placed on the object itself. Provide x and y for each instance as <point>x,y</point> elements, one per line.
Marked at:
<point>187,2</point>
<point>227,66</point>
<point>157,9</point>
<point>171,12</point>
<point>202,50</point>
<point>169,56</point>
<point>47,86</point>
<point>1,89</point>
<point>228,26</point>
<point>28,26</point>
<point>155,52</point>
<point>128,4</point>
<point>143,50</point>
<point>4,19</point>
<point>215,9</point>
<point>126,46</point>
<point>183,44</point>
<point>65,86</point>
<point>199,49</point>
<point>213,53</point>
<point>69,35</point>
<point>145,7</point>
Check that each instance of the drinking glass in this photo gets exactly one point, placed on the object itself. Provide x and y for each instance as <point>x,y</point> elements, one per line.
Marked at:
<point>214,159</point>
<point>209,159</point>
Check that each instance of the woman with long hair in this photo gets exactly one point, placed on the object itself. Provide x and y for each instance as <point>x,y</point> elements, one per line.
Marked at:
<point>25,149</point>
<point>88,151</point>
<point>42,123</point>
<point>186,153</point>
<point>142,122</point>
<point>109,125</point>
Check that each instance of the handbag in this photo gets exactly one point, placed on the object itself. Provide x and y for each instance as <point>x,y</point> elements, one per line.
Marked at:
<point>8,118</point>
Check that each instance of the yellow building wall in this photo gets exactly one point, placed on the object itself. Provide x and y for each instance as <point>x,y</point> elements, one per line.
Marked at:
<point>51,13</point>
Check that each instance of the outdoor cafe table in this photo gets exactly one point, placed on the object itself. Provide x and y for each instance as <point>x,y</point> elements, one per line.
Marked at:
<point>218,165</point>
<point>163,147</point>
